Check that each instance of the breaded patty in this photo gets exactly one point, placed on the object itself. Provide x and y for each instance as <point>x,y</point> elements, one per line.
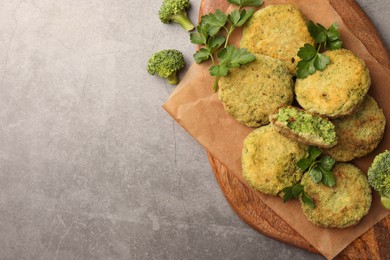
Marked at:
<point>304,127</point>
<point>359,133</point>
<point>277,31</point>
<point>342,205</point>
<point>339,89</point>
<point>269,160</point>
<point>253,91</point>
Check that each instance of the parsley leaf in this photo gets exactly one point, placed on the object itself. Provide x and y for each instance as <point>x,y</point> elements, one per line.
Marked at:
<point>307,200</point>
<point>234,17</point>
<point>335,45</point>
<point>219,70</point>
<point>202,55</point>
<point>316,174</point>
<point>296,191</point>
<point>307,52</point>
<point>239,18</point>
<point>333,41</point>
<point>241,57</point>
<point>305,69</point>
<point>225,55</point>
<point>311,58</point>
<point>287,194</point>
<point>321,61</point>
<point>245,15</point>
<point>327,162</point>
<point>234,57</point>
<point>201,35</point>
<point>242,3</point>
<point>332,33</point>
<point>317,31</point>
<point>215,21</point>
<point>211,43</point>
<point>215,42</point>
<point>328,178</point>
<point>314,152</point>
<point>330,37</point>
<point>311,61</point>
<point>305,163</point>
<point>230,57</point>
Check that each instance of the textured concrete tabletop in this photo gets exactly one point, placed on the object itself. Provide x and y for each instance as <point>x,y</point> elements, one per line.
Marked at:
<point>91,166</point>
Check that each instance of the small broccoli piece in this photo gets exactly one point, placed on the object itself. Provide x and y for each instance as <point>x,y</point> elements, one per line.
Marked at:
<point>176,11</point>
<point>166,64</point>
<point>379,177</point>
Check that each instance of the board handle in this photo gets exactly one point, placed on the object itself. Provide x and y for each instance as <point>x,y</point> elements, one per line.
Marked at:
<point>359,24</point>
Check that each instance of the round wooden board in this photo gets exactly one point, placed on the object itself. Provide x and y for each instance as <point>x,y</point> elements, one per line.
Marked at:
<point>246,203</point>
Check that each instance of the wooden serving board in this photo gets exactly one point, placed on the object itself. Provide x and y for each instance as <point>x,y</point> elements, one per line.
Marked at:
<point>374,244</point>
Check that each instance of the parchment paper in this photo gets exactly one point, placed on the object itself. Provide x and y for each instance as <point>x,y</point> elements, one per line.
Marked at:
<point>198,110</point>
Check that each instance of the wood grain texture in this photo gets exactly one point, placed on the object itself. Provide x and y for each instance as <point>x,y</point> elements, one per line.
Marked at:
<point>374,244</point>
<point>361,26</point>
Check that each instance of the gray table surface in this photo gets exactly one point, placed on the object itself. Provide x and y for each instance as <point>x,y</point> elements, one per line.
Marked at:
<point>91,166</point>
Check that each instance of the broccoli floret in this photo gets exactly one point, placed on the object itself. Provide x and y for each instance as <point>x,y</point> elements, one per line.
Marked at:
<point>176,11</point>
<point>166,64</point>
<point>379,177</point>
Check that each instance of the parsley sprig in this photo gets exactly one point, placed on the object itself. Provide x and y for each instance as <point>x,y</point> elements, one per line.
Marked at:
<point>211,43</point>
<point>311,58</point>
<point>229,57</point>
<point>237,19</point>
<point>208,35</point>
<point>330,37</point>
<point>296,191</point>
<point>242,3</point>
<point>319,169</point>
